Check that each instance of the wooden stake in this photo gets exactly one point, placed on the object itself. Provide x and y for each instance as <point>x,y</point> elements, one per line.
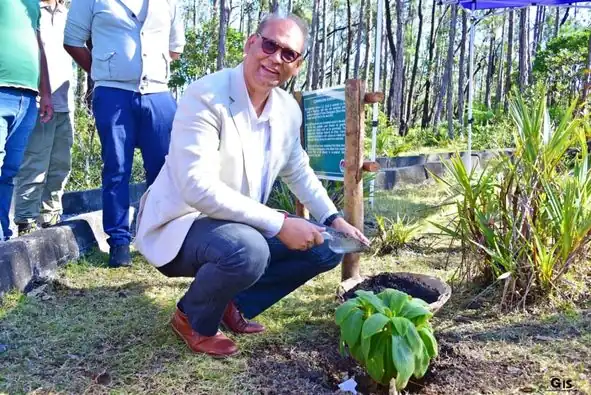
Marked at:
<point>301,210</point>
<point>354,133</point>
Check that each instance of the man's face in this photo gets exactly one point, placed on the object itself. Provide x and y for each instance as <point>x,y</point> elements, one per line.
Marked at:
<point>264,70</point>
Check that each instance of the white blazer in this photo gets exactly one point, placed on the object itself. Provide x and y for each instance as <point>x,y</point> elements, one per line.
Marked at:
<point>208,170</point>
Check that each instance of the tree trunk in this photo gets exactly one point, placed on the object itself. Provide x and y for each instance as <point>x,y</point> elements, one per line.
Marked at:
<point>224,16</point>
<point>522,49</point>
<point>324,45</point>
<point>333,47</point>
<point>392,45</point>
<point>349,38</point>
<point>425,119</point>
<point>462,68</point>
<point>398,65</point>
<point>499,89</point>
<point>262,7</point>
<point>312,50</point>
<point>449,71</point>
<point>557,22</point>
<point>357,64</point>
<point>249,19</point>
<point>274,7</point>
<point>415,64</point>
<point>490,70</point>
<point>289,6</point>
<point>241,24</point>
<point>446,77</point>
<point>367,44</point>
<point>385,62</point>
<point>509,62</point>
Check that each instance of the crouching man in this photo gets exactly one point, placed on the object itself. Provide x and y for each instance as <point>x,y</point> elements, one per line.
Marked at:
<point>205,216</point>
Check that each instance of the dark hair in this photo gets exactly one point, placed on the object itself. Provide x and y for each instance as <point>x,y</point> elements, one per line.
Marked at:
<point>290,17</point>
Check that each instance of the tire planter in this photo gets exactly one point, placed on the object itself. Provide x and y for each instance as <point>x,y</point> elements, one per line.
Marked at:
<point>431,289</point>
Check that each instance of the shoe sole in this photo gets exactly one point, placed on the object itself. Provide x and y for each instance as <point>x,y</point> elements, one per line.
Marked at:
<point>215,356</point>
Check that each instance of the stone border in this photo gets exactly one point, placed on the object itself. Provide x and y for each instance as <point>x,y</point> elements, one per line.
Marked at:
<point>416,169</point>
<point>38,255</point>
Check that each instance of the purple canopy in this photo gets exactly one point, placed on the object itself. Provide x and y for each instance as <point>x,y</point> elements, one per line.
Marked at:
<point>487,4</point>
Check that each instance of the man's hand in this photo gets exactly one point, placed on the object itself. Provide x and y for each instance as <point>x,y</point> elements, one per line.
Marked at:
<point>45,108</point>
<point>343,226</point>
<point>299,234</point>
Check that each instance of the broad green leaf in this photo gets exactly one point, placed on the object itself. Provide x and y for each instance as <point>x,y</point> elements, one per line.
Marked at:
<point>404,361</point>
<point>429,341</point>
<point>413,339</point>
<point>421,363</point>
<point>416,312</point>
<point>351,328</point>
<point>394,299</point>
<point>373,325</point>
<point>375,362</point>
<point>365,347</point>
<point>357,352</point>
<point>372,300</point>
<point>345,309</point>
<point>400,325</point>
<point>389,368</point>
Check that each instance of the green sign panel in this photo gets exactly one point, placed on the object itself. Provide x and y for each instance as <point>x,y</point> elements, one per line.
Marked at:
<point>324,131</point>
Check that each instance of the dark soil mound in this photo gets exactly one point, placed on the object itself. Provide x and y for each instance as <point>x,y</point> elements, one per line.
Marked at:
<point>378,283</point>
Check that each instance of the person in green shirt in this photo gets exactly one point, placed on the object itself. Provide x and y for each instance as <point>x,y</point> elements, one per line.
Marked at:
<point>23,77</point>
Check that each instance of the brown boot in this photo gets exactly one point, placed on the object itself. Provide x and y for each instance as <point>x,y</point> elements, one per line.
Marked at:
<point>218,346</point>
<point>234,321</point>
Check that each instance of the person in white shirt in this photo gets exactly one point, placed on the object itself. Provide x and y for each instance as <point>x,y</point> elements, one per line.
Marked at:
<point>133,44</point>
<point>205,216</point>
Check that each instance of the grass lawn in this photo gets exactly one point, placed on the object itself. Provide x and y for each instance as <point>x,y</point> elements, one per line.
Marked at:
<point>97,330</point>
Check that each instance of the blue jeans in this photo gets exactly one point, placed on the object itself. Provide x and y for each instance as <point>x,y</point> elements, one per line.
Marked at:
<point>126,120</point>
<point>18,112</point>
<point>233,261</point>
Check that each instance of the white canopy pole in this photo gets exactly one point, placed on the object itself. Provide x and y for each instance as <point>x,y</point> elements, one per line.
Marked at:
<point>471,85</point>
<point>376,85</point>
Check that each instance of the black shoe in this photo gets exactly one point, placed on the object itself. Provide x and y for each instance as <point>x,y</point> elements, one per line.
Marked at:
<point>119,256</point>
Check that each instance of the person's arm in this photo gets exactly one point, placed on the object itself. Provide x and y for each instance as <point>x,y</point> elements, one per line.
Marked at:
<point>77,32</point>
<point>81,56</point>
<point>177,32</point>
<point>45,105</point>
<point>305,185</point>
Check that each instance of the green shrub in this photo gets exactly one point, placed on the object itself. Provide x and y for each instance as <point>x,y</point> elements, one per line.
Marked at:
<point>393,234</point>
<point>528,216</point>
<point>389,334</point>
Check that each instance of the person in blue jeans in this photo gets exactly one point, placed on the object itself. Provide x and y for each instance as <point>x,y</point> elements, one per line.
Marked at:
<point>133,43</point>
<point>23,76</point>
<point>235,132</point>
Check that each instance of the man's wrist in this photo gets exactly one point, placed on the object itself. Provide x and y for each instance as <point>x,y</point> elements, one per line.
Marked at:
<point>331,219</point>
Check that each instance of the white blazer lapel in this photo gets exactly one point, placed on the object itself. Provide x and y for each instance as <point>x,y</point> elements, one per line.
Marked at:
<point>239,112</point>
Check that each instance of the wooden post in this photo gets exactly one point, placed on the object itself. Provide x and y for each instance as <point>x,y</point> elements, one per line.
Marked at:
<point>354,134</point>
<point>301,211</point>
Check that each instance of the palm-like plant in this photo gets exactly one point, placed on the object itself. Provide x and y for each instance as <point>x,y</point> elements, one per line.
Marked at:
<point>528,215</point>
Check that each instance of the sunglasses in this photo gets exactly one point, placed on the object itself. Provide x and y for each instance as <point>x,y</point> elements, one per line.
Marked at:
<point>269,47</point>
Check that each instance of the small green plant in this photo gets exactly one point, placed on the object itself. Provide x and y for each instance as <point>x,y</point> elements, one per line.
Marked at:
<point>393,234</point>
<point>389,334</point>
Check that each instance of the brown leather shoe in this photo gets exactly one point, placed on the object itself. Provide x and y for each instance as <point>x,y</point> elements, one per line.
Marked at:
<point>234,321</point>
<point>218,346</point>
